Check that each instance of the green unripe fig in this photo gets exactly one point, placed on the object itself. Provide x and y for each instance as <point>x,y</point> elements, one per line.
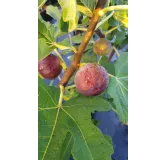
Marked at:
<point>102,47</point>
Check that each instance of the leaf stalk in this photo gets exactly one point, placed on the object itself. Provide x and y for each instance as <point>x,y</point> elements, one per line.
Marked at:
<point>59,55</point>
<point>61,96</point>
<point>113,8</point>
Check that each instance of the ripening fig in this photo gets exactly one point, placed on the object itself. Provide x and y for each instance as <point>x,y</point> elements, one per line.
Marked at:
<point>91,79</point>
<point>49,67</point>
<point>102,47</point>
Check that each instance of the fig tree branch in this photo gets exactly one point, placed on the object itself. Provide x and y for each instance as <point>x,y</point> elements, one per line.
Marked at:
<point>78,55</point>
<point>111,55</point>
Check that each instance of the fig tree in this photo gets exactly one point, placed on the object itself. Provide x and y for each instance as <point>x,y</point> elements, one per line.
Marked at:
<point>49,67</point>
<point>102,47</point>
<point>91,79</point>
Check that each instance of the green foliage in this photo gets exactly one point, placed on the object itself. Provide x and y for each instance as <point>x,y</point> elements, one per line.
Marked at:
<point>66,147</point>
<point>64,26</point>
<point>46,36</point>
<point>120,37</point>
<point>105,26</point>
<point>69,13</point>
<point>118,87</point>
<point>108,138</point>
<point>75,117</point>
<point>89,57</point>
<point>120,2</point>
<point>40,3</point>
<point>91,4</point>
<point>53,11</point>
<point>85,10</point>
<point>70,130</point>
<point>77,39</point>
<point>108,66</point>
<point>65,42</point>
<point>122,16</point>
<point>112,22</point>
<point>71,93</point>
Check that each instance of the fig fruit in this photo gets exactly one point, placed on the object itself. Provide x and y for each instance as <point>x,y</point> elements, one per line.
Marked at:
<point>49,67</point>
<point>91,79</point>
<point>102,47</point>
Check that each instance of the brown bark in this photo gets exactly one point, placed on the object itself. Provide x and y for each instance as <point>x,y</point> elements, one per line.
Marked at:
<point>111,55</point>
<point>77,57</point>
<point>99,33</point>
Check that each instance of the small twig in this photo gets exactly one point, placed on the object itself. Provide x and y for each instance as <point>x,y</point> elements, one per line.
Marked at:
<point>81,29</point>
<point>80,19</point>
<point>114,110</point>
<point>110,75</point>
<point>59,55</point>
<point>99,59</point>
<point>116,51</point>
<point>99,33</point>
<point>70,39</point>
<point>51,82</point>
<point>111,30</point>
<point>111,55</point>
<point>61,47</point>
<point>104,20</point>
<point>121,124</point>
<point>59,78</point>
<point>61,96</point>
<point>42,6</point>
<point>69,87</point>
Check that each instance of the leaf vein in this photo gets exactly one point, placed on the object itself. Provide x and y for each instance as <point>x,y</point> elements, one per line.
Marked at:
<point>80,131</point>
<point>51,134</point>
<point>121,67</point>
<point>67,146</point>
<point>48,94</point>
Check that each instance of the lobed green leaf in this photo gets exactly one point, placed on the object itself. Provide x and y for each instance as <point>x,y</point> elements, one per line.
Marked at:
<point>118,87</point>
<point>74,117</point>
<point>46,37</point>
